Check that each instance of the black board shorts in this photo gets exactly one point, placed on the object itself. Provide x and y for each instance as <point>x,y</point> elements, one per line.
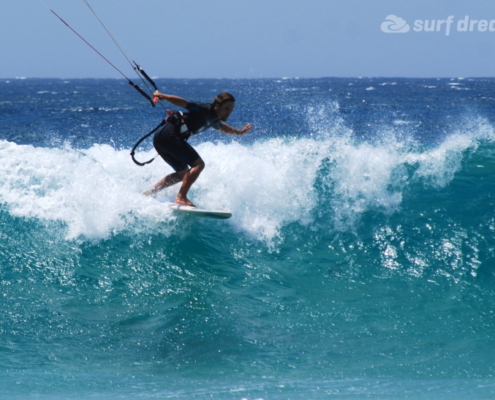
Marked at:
<point>176,152</point>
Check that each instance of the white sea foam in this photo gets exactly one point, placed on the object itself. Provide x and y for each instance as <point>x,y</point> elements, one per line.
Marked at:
<point>98,192</point>
<point>94,192</point>
<point>372,176</point>
<point>267,185</point>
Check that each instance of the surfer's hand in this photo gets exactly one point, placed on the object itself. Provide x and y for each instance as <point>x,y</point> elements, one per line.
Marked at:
<point>234,131</point>
<point>155,97</point>
<point>246,129</point>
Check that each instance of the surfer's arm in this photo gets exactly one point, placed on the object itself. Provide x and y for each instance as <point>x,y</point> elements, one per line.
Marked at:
<point>233,131</point>
<point>175,100</point>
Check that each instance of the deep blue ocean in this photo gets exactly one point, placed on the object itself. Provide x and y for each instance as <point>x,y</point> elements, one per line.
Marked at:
<point>359,261</point>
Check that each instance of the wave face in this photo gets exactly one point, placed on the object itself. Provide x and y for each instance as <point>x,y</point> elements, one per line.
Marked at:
<point>359,261</point>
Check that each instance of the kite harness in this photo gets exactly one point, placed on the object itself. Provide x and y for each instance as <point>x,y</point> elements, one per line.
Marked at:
<point>174,117</point>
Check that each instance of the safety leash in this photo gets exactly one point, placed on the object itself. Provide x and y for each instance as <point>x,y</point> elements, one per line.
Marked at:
<point>141,164</point>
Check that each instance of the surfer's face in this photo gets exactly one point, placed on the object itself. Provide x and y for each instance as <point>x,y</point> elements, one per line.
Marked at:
<point>224,110</point>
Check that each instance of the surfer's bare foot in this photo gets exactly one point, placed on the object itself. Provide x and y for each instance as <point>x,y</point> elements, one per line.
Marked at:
<point>150,192</point>
<point>184,201</point>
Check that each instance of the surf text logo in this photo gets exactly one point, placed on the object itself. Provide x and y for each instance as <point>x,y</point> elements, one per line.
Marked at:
<point>394,24</point>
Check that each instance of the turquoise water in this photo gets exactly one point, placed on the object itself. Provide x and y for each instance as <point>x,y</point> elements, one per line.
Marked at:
<point>359,261</point>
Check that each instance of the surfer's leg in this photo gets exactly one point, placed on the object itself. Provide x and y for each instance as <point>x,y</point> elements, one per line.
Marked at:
<point>180,155</point>
<point>188,179</point>
<point>175,152</point>
<point>169,180</point>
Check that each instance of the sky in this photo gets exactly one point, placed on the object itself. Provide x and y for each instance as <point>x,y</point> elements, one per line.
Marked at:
<point>250,38</point>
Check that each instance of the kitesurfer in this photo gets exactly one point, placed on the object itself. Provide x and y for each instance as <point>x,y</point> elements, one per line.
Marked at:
<point>171,140</point>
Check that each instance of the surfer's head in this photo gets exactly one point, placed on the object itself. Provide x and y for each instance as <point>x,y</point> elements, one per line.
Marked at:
<point>223,105</point>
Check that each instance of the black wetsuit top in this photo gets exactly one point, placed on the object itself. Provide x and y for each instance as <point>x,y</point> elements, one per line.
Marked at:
<point>171,141</point>
<point>200,117</point>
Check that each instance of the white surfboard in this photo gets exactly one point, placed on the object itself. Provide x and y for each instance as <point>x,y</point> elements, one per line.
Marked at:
<point>198,212</point>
